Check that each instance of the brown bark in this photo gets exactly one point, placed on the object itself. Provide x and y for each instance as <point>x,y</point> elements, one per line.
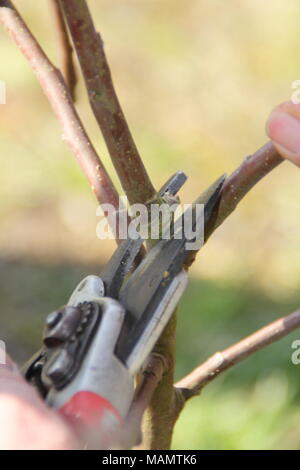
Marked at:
<point>193,383</point>
<point>105,104</point>
<point>65,50</point>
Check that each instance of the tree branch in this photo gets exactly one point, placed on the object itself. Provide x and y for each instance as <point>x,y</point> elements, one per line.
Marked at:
<point>64,47</point>
<point>239,183</point>
<point>193,383</point>
<point>57,92</point>
<point>151,376</point>
<point>105,104</point>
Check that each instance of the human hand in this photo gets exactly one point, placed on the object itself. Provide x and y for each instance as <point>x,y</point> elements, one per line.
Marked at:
<point>26,422</point>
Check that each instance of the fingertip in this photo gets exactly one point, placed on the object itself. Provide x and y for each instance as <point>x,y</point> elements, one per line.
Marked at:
<point>283,128</point>
<point>275,124</point>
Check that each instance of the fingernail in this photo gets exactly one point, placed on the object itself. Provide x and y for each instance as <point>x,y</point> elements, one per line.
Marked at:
<point>284,130</point>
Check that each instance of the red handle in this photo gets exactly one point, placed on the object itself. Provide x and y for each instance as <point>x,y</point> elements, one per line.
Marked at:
<point>93,418</point>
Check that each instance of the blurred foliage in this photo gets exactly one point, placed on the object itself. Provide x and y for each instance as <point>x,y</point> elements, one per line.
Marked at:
<point>197,80</point>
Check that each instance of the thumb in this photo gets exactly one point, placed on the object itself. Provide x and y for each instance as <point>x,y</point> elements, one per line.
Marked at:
<point>283,128</point>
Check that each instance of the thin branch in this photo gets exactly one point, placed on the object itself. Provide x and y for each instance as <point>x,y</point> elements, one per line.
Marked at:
<point>239,183</point>
<point>151,376</point>
<point>193,383</point>
<point>57,92</point>
<point>105,104</point>
<point>65,49</point>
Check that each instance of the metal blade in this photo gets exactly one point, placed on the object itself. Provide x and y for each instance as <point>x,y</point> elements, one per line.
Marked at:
<point>173,184</point>
<point>138,350</point>
<point>141,294</point>
<point>119,265</point>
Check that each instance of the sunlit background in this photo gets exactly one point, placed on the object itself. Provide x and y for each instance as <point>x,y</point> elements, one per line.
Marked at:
<point>197,80</point>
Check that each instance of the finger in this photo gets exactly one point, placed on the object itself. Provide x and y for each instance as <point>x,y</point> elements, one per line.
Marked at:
<point>283,128</point>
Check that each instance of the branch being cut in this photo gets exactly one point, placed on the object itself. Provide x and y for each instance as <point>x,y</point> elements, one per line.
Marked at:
<point>65,49</point>
<point>193,383</point>
<point>239,183</point>
<point>57,92</point>
<point>105,104</point>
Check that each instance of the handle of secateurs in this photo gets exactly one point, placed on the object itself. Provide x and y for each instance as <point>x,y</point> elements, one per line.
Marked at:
<point>94,418</point>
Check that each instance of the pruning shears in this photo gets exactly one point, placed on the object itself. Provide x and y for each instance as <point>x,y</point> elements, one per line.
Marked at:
<point>94,346</point>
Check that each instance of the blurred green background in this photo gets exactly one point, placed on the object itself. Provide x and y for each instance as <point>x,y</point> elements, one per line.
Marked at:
<point>197,80</point>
